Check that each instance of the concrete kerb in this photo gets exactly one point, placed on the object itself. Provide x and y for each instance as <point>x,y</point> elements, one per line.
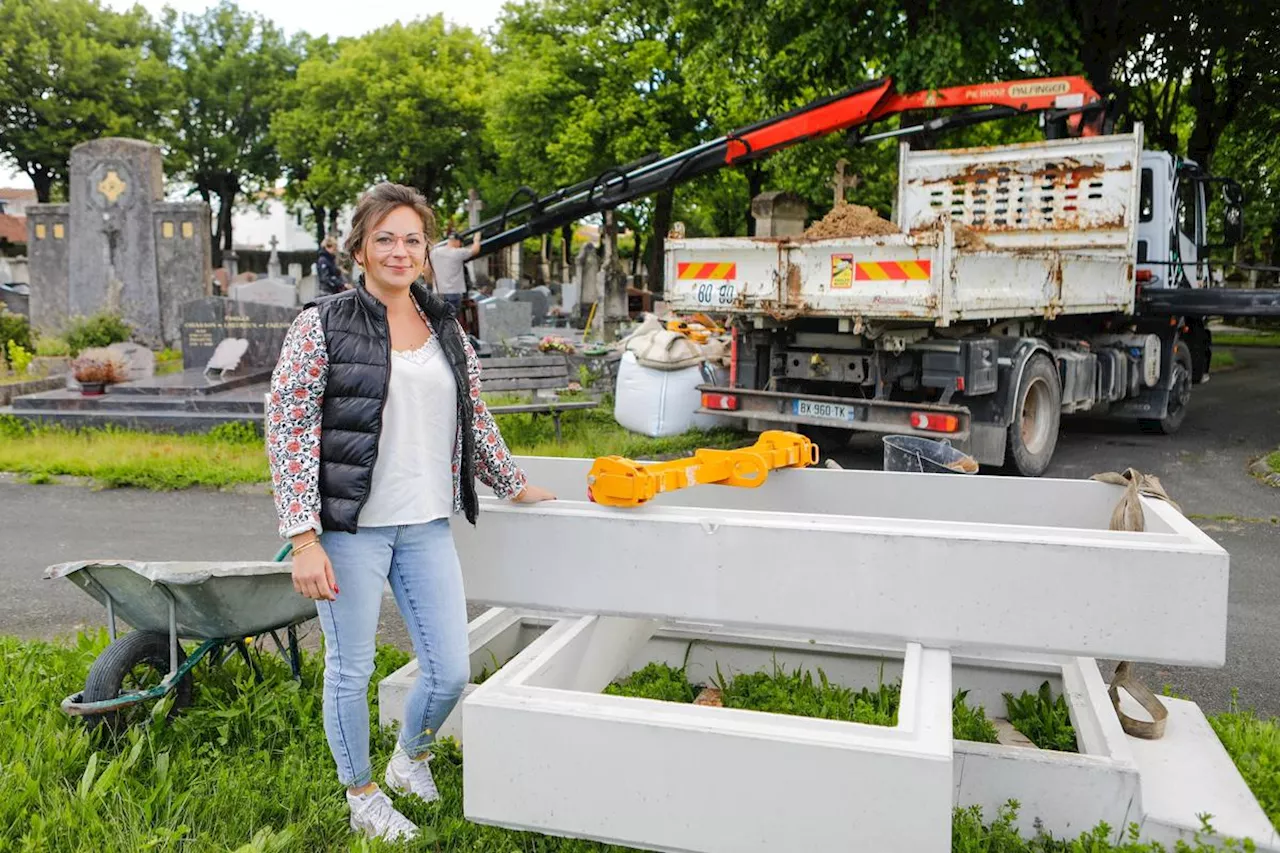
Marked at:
<point>547,699</point>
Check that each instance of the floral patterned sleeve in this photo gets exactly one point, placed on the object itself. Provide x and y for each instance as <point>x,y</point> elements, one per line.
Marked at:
<point>494,465</point>
<point>293,424</point>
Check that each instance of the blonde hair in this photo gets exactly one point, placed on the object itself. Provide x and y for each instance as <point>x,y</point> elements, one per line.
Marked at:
<point>330,243</point>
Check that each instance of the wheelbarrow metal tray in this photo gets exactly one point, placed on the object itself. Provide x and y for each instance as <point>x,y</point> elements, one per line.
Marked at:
<point>214,600</point>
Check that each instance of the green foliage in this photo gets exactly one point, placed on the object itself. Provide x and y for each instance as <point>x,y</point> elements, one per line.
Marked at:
<point>236,432</point>
<point>420,85</point>
<point>655,681</point>
<point>1273,461</point>
<point>233,67</point>
<point>798,693</point>
<point>12,427</point>
<point>100,330</point>
<point>1045,721</point>
<point>171,784</point>
<point>19,358</point>
<point>16,328</point>
<point>1254,746</point>
<point>969,723</point>
<point>52,346</point>
<point>1247,339</point>
<point>73,70</point>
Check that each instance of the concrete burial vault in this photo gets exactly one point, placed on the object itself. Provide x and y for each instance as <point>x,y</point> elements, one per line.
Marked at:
<point>983,584</point>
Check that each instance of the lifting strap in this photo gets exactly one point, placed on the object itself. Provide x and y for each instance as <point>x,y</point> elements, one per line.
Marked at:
<point>1128,515</point>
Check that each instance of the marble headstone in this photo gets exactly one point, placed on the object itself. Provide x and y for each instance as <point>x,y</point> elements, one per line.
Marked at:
<point>207,322</point>
<point>266,291</point>
<point>503,319</point>
<point>140,362</point>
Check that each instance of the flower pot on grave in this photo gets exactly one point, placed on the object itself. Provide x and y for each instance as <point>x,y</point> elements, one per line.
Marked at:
<point>92,389</point>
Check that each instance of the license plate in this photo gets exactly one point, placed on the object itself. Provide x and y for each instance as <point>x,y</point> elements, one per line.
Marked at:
<point>826,411</point>
<point>714,294</point>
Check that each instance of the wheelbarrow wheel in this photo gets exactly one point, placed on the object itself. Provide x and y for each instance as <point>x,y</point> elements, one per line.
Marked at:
<point>133,662</point>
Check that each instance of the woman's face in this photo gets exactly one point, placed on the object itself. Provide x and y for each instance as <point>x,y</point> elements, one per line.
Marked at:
<point>395,250</point>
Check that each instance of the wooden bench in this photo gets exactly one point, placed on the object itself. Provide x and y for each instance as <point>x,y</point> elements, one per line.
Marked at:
<point>531,373</point>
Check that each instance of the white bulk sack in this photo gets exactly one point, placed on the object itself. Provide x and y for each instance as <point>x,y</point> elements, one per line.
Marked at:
<point>662,402</point>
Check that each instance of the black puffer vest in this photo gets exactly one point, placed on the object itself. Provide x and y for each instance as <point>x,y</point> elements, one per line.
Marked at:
<point>359,346</point>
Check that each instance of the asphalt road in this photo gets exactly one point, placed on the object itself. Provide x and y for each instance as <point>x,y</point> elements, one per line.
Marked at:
<point>1233,418</point>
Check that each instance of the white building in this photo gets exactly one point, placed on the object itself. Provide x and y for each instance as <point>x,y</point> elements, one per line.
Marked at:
<point>253,226</point>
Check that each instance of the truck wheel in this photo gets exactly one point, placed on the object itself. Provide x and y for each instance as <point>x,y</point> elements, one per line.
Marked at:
<point>133,662</point>
<point>1179,393</point>
<point>1037,413</point>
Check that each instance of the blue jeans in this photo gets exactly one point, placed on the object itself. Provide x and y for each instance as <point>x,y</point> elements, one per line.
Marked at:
<point>421,564</point>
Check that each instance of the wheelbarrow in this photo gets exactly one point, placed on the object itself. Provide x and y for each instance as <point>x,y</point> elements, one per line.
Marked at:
<point>221,605</point>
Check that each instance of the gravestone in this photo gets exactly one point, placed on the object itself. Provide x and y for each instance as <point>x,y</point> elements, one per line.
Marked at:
<point>537,300</point>
<point>586,274</point>
<point>295,272</point>
<point>140,362</point>
<point>266,291</point>
<point>50,264</point>
<point>118,246</point>
<point>504,319</point>
<point>273,262</point>
<point>15,298</point>
<point>208,322</point>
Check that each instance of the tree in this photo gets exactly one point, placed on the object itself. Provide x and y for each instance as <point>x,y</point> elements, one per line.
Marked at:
<point>72,71</point>
<point>307,134</point>
<point>586,85</point>
<point>233,67</point>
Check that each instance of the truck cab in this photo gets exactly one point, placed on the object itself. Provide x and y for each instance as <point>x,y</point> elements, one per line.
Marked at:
<point>1173,219</point>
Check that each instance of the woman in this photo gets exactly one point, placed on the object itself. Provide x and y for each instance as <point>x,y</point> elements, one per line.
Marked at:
<point>376,433</point>
<point>329,278</point>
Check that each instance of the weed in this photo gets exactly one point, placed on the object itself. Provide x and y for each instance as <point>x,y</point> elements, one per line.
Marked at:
<point>19,358</point>
<point>656,681</point>
<point>1045,721</point>
<point>1254,746</point>
<point>40,478</point>
<point>1272,461</point>
<point>969,723</point>
<point>51,346</point>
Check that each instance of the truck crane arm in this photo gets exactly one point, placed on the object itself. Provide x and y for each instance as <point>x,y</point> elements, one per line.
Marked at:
<point>1070,101</point>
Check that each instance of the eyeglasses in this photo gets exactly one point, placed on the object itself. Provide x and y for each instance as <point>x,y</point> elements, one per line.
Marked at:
<point>415,242</point>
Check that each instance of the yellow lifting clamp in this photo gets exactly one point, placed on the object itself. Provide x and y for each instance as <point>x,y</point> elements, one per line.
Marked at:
<point>615,481</point>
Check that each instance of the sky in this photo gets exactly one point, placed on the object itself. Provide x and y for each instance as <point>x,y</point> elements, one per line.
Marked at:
<point>333,17</point>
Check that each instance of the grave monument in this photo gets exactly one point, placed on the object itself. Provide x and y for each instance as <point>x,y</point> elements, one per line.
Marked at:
<point>118,246</point>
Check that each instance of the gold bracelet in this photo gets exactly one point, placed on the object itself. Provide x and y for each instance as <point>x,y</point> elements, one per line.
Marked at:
<point>304,546</point>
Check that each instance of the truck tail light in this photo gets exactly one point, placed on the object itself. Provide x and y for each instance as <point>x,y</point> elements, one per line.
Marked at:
<point>1144,275</point>
<point>724,402</point>
<point>935,422</point>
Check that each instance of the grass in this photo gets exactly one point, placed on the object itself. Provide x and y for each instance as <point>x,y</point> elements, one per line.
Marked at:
<point>1272,461</point>
<point>1222,360</point>
<point>246,768</point>
<point>233,454</point>
<point>1254,745</point>
<point>1246,339</point>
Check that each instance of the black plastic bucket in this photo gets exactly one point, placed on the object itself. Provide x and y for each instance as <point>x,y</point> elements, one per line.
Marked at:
<point>917,455</point>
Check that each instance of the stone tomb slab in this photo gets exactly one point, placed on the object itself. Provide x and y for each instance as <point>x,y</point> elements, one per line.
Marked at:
<point>207,322</point>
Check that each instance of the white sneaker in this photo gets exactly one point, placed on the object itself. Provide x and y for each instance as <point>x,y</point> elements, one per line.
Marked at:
<point>375,816</point>
<point>409,776</point>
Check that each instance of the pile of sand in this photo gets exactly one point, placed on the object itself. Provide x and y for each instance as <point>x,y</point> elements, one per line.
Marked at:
<point>850,220</point>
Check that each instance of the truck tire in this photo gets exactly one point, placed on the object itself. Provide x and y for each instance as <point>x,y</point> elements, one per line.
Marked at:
<point>1179,393</point>
<point>1036,416</point>
<point>134,661</point>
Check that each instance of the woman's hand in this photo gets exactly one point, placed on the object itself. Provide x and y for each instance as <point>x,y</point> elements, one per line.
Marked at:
<point>532,494</point>
<point>313,574</point>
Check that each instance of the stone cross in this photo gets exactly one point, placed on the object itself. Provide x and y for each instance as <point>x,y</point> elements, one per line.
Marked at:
<point>840,183</point>
<point>273,262</point>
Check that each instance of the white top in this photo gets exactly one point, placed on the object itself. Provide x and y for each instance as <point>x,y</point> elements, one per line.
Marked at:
<point>447,262</point>
<point>413,476</point>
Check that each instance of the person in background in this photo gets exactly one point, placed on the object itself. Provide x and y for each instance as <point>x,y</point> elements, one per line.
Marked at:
<point>329,278</point>
<point>449,264</point>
